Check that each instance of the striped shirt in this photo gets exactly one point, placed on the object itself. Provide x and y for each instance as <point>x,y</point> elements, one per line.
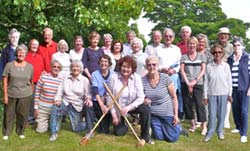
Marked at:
<point>45,91</point>
<point>161,101</point>
<point>235,74</point>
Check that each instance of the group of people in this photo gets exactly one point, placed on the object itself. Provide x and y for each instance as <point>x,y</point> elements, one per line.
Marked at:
<point>163,84</point>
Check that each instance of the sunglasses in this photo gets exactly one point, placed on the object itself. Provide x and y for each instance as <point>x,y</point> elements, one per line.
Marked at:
<point>58,67</point>
<point>217,52</point>
<point>151,64</point>
<point>168,36</point>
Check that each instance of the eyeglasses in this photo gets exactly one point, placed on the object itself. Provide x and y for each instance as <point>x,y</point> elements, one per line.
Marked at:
<point>58,67</point>
<point>217,52</point>
<point>237,45</point>
<point>168,36</point>
<point>151,64</point>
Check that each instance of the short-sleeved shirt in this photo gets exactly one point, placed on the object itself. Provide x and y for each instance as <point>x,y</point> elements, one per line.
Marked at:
<point>161,101</point>
<point>193,67</point>
<point>19,80</point>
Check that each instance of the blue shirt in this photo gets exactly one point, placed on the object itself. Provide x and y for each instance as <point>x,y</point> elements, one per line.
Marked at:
<point>8,55</point>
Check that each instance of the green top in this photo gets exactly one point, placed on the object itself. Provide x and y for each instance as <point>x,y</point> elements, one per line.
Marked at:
<point>19,85</point>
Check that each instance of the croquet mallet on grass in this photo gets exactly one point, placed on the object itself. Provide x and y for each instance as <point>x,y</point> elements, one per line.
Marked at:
<point>141,142</point>
<point>85,139</point>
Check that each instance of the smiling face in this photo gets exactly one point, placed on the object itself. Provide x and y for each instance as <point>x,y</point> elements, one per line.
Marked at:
<point>34,44</point>
<point>201,44</point>
<point>136,46</point>
<point>157,37</point>
<point>117,47</point>
<point>152,66</point>
<point>107,41</point>
<point>56,68</point>
<point>94,41</point>
<point>126,70</point>
<point>168,38</point>
<point>75,70</point>
<point>218,54</point>
<point>21,54</point>
<point>104,63</point>
<point>78,43</point>
<point>63,47</point>
<point>223,37</point>
<point>185,34</point>
<point>47,35</point>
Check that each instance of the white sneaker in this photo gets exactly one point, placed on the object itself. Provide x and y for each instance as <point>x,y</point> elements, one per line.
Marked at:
<point>227,125</point>
<point>5,138</point>
<point>22,136</point>
<point>235,131</point>
<point>243,139</point>
<point>53,137</point>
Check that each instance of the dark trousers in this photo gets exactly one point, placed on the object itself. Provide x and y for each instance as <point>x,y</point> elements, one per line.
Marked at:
<point>106,121</point>
<point>16,109</point>
<point>194,100</point>
<point>145,117</point>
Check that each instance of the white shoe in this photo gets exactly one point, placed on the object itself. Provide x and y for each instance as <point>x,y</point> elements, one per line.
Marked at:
<point>235,131</point>
<point>226,125</point>
<point>243,139</point>
<point>5,138</point>
<point>53,137</point>
<point>22,136</point>
<point>204,132</point>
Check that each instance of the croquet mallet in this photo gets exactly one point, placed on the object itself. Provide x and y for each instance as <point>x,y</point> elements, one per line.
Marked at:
<point>141,142</point>
<point>85,139</point>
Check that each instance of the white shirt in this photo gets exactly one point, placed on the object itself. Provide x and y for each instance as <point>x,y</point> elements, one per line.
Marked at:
<point>75,56</point>
<point>64,59</point>
<point>152,49</point>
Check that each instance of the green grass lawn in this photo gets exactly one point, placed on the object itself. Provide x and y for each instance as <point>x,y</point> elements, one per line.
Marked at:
<point>69,141</point>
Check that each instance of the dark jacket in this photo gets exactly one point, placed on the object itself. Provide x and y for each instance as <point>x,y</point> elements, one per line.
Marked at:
<point>243,75</point>
<point>8,55</point>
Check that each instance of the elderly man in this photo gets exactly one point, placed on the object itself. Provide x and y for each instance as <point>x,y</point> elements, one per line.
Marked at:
<point>8,53</point>
<point>48,48</point>
<point>185,35</point>
<point>151,49</point>
<point>223,40</point>
<point>169,57</point>
<point>127,50</point>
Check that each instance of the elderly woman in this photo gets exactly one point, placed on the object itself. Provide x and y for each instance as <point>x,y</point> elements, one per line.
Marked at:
<point>192,70</point>
<point>37,62</point>
<point>78,50</point>
<point>203,47</point>
<point>139,56</point>
<point>217,91</point>
<point>161,95</point>
<point>63,57</point>
<point>107,41</point>
<point>17,91</point>
<point>240,67</point>
<point>99,92</point>
<point>131,98</point>
<point>116,50</point>
<point>45,92</point>
<point>92,54</point>
<point>73,97</point>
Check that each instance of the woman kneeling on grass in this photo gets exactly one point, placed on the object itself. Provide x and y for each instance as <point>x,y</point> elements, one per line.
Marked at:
<point>45,91</point>
<point>73,97</point>
<point>160,95</point>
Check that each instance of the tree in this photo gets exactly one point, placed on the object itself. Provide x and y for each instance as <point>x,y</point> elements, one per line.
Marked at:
<point>69,17</point>
<point>203,16</point>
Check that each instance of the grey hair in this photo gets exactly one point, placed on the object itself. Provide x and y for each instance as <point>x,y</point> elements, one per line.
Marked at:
<point>238,39</point>
<point>168,29</point>
<point>47,29</point>
<point>78,63</point>
<point>12,31</point>
<point>55,61</point>
<point>107,35</point>
<point>22,47</point>
<point>156,31</point>
<point>152,57</point>
<point>62,41</point>
<point>139,40</point>
<point>186,27</point>
<point>130,32</point>
<point>203,36</point>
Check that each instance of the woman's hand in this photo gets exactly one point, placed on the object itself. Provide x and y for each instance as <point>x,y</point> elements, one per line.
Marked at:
<point>175,120</point>
<point>230,99</point>
<point>57,103</point>
<point>104,108</point>
<point>125,111</point>
<point>115,119</point>
<point>5,100</point>
<point>36,112</point>
<point>88,102</point>
<point>147,101</point>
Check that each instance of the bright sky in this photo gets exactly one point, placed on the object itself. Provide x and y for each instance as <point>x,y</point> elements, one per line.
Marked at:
<point>232,8</point>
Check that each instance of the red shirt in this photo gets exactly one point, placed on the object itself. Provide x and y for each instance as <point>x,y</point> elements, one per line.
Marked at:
<point>183,46</point>
<point>46,51</point>
<point>37,62</point>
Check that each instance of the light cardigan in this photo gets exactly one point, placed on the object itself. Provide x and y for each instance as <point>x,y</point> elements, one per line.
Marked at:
<point>218,80</point>
<point>135,95</point>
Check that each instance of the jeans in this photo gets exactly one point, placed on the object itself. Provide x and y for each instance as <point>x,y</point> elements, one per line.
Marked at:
<point>163,128</point>
<point>217,106</point>
<point>240,110</point>
<point>75,118</point>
